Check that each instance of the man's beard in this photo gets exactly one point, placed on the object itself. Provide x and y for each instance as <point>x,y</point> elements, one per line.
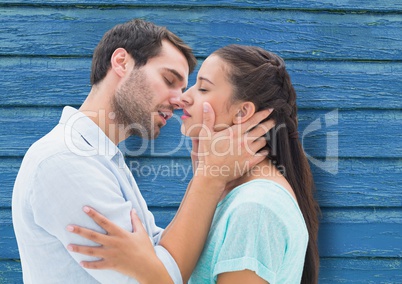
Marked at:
<point>132,105</point>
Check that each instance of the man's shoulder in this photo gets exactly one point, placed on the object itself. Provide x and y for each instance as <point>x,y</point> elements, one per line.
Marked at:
<point>59,144</point>
<point>48,146</point>
<point>45,157</point>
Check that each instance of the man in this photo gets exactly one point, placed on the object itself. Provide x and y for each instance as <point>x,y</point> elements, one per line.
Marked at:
<point>139,71</point>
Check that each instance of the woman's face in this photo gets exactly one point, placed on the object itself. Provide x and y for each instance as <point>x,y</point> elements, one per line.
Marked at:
<point>212,86</point>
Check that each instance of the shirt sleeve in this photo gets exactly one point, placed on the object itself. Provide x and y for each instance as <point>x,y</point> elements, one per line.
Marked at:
<point>255,239</point>
<point>63,185</point>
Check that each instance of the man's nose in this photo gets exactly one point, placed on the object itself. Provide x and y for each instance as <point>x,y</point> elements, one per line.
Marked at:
<point>176,102</point>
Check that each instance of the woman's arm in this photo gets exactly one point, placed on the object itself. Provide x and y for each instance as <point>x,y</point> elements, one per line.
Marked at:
<point>131,254</point>
<point>240,277</point>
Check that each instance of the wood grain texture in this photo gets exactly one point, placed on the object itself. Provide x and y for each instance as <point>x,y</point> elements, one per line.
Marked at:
<point>361,270</point>
<point>344,233</point>
<point>49,81</point>
<point>355,5</point>
<point>345,60</point>
<point>358,183</point>
<point>291,34</point>
<point>324,133</point>
<point>10,271</point>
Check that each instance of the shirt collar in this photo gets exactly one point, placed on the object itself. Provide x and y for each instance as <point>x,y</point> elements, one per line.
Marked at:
<point>89,131</point>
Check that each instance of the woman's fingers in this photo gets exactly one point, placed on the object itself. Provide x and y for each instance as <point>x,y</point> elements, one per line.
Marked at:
<point>101,220</point>
<point>87,250</point>
<point>88,234</point>
<point>136,222</point>
<point>100,264</point>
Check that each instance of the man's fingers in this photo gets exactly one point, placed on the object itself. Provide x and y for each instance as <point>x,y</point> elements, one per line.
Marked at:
<point>208,118</point>
<point>255,120</point>
<point>258,144</point>
<point>257,158</point>
<point>194,143</point>
<point>194,151</point>
<point>261,129</point>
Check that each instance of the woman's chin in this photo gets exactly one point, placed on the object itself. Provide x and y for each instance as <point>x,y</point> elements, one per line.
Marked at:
<point>191,132</point>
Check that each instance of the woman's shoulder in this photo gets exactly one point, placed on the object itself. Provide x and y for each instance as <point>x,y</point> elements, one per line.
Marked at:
<point>262,197</point>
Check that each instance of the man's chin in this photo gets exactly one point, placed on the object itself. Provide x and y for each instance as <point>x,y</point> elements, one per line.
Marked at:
<point>145,133</point>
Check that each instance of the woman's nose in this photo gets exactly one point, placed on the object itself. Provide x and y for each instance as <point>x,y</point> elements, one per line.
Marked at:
<point>186,97</point>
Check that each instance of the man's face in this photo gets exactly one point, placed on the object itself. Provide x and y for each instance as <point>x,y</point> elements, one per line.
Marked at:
<point>146,99</point>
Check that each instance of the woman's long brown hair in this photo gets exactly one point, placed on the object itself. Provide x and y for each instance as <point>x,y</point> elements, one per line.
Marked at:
<point>260,76</point>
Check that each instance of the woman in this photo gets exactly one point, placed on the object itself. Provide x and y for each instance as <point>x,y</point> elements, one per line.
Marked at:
<point>265,226</point>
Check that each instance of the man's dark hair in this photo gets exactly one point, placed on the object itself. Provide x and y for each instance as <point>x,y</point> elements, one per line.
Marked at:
<point>141,39</point>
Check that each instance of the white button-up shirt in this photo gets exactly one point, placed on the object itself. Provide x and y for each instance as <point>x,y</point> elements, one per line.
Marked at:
<point>74,165</point>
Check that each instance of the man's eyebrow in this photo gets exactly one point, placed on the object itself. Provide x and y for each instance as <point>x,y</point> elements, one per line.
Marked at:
<point>174,72</point>
<point>205,79</point>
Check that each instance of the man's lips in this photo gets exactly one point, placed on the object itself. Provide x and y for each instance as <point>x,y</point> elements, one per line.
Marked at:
<point>165,115</point>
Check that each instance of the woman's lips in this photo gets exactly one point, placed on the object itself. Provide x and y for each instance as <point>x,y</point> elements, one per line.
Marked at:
<point>185,114</point>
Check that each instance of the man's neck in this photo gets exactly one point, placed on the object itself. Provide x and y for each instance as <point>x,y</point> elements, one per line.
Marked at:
<point>97,107</point>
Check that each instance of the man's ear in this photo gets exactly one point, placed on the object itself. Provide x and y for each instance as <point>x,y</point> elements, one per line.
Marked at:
<point>120,62</point>
<point>243,112</point>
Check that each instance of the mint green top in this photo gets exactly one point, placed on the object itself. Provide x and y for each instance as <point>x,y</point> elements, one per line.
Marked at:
<point>258,226</point>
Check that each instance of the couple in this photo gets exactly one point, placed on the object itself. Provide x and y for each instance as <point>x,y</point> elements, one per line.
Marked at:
<point>259,226</point>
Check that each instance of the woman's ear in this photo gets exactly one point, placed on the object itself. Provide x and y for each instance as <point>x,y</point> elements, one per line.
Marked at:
<point>120,62</point>
<point>243,112</point>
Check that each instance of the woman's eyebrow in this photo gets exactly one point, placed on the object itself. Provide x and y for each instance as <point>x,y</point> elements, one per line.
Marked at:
<point>205,79</point>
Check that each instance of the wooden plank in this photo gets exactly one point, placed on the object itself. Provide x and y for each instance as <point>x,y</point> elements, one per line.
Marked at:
<point>354,5</point>
<point>360,270</point>
<point>345,233</point>
<point>44,81</point>
<point>366,232</point>
<point>292,34</point>
<point>48,81</point>
<point>325,134</point>
<point>10,271</point>
<point>358,183</point>
<point>332,270</point>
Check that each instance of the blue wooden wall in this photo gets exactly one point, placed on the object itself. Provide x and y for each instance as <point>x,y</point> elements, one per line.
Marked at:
<point>345,59</point>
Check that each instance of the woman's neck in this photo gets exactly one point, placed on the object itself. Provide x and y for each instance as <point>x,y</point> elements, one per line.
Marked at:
<point>264,169</point>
